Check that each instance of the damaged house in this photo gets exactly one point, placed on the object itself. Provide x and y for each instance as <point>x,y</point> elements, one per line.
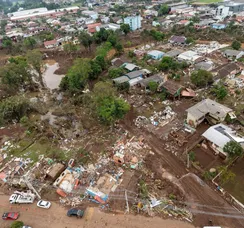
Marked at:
<point>171,88</point>
<point>210,110</point>
<point>226,70</point>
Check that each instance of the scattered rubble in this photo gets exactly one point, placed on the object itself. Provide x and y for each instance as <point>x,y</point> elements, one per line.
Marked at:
<point>157,119</point>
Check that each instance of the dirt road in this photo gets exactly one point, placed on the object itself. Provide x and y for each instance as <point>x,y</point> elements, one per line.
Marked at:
<point>193,187</point>
<point>55,217</point>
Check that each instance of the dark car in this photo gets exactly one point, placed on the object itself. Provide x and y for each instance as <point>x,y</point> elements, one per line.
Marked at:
<point>10,215</point>
<point>75,212</point>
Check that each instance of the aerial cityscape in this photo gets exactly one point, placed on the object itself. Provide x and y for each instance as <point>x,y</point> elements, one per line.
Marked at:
<point>122,113</point>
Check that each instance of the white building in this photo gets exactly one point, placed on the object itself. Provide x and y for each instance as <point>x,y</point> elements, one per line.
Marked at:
<point>189,56</point>
<point>220,134</point>
<point>91,14</point>
<point>27,12</point>
<point>133,21</point>
<point>221,12</point>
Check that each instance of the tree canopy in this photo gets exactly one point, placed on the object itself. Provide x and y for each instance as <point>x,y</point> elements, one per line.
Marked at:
<point>163,10</point>
<point>233,148</point>
<point>77,75</point>
<point>125,28</point>
<point>201,78</point>
<point>236,45</point>
<point>17,224</point>
<point>219,91</point>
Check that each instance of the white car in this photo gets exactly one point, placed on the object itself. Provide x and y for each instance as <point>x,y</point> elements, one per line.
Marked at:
<point>44,204</point>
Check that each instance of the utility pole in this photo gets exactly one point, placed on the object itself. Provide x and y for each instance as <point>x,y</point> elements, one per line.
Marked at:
<point>30,186</point>
<point>127,204</point>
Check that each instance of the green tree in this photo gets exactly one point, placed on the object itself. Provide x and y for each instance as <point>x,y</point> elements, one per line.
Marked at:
<point>119,48</point>
<point>236,45</point>
<point>7,43</point>
<point>13,108</point>
<point>219,91</point>
<point>29,43</point>
<point>111,109</point>
<point>115,72</point>
<point>189,40</point>
<point>100,60</point>
<point>86,40</point>
<point>96,70</point>
<point>101,36</point>
<point>34,58</point>
<point>168,63</point>
<point>102,90</point>
<point>113,39</point>
<point>125,28</point>
<point>226,175</point>
<point>77,76</point>
<point>201,78</point>
<point>163,10</point>
<point>233,148</point>
<point>17,224</point>
<point>157,35</point>
<point>153,86</point>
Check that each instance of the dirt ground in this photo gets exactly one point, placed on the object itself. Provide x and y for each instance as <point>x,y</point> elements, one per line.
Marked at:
<point>195,189</point>
<point>55,217</point>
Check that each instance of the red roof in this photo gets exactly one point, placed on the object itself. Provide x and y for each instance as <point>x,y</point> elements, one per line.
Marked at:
<point>50,42</point>
<point>92,27</point>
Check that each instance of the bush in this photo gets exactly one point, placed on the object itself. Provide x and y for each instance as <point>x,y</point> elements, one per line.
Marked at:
<point>192,156</point>
<point>17,224</point>
<point>153,86</point>
<point>13,108</point>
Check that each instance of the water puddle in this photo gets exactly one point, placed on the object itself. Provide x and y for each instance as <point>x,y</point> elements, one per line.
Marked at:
<point>51,79</point>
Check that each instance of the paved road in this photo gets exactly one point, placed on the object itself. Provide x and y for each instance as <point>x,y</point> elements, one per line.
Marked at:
<point>55,217</point>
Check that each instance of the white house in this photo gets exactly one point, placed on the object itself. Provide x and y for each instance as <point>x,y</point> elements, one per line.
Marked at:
<point>220,134</point>
<point>91,14</point>
<point>189,56</point>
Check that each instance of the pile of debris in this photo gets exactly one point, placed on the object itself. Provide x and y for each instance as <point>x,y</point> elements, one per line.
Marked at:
<point>129,152</point>
<point>164,206</point>
<point>157,119</point>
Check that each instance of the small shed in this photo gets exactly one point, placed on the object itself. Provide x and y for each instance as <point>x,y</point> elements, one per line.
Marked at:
<point>155,54</point>
<point>130,66</point>
<point>55,170</point>
<point>117,62</point>
<point>135,74</point>
<point>155,78</point>
<point>173,53</point>
<point>120,80</point>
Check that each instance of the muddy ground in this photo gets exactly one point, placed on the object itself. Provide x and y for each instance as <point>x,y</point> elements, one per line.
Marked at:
<point>195,191</point>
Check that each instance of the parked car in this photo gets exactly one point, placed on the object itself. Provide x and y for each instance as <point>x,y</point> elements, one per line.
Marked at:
<point>44,204</point>
<point>75,212</point>
<point>10,215</point>
<point>26,227</point>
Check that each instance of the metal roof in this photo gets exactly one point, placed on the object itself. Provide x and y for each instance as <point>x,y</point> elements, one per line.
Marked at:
<point>208,106</point>
<point>135,74</point>
<point>121,80</point>
<point>221,134</point>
